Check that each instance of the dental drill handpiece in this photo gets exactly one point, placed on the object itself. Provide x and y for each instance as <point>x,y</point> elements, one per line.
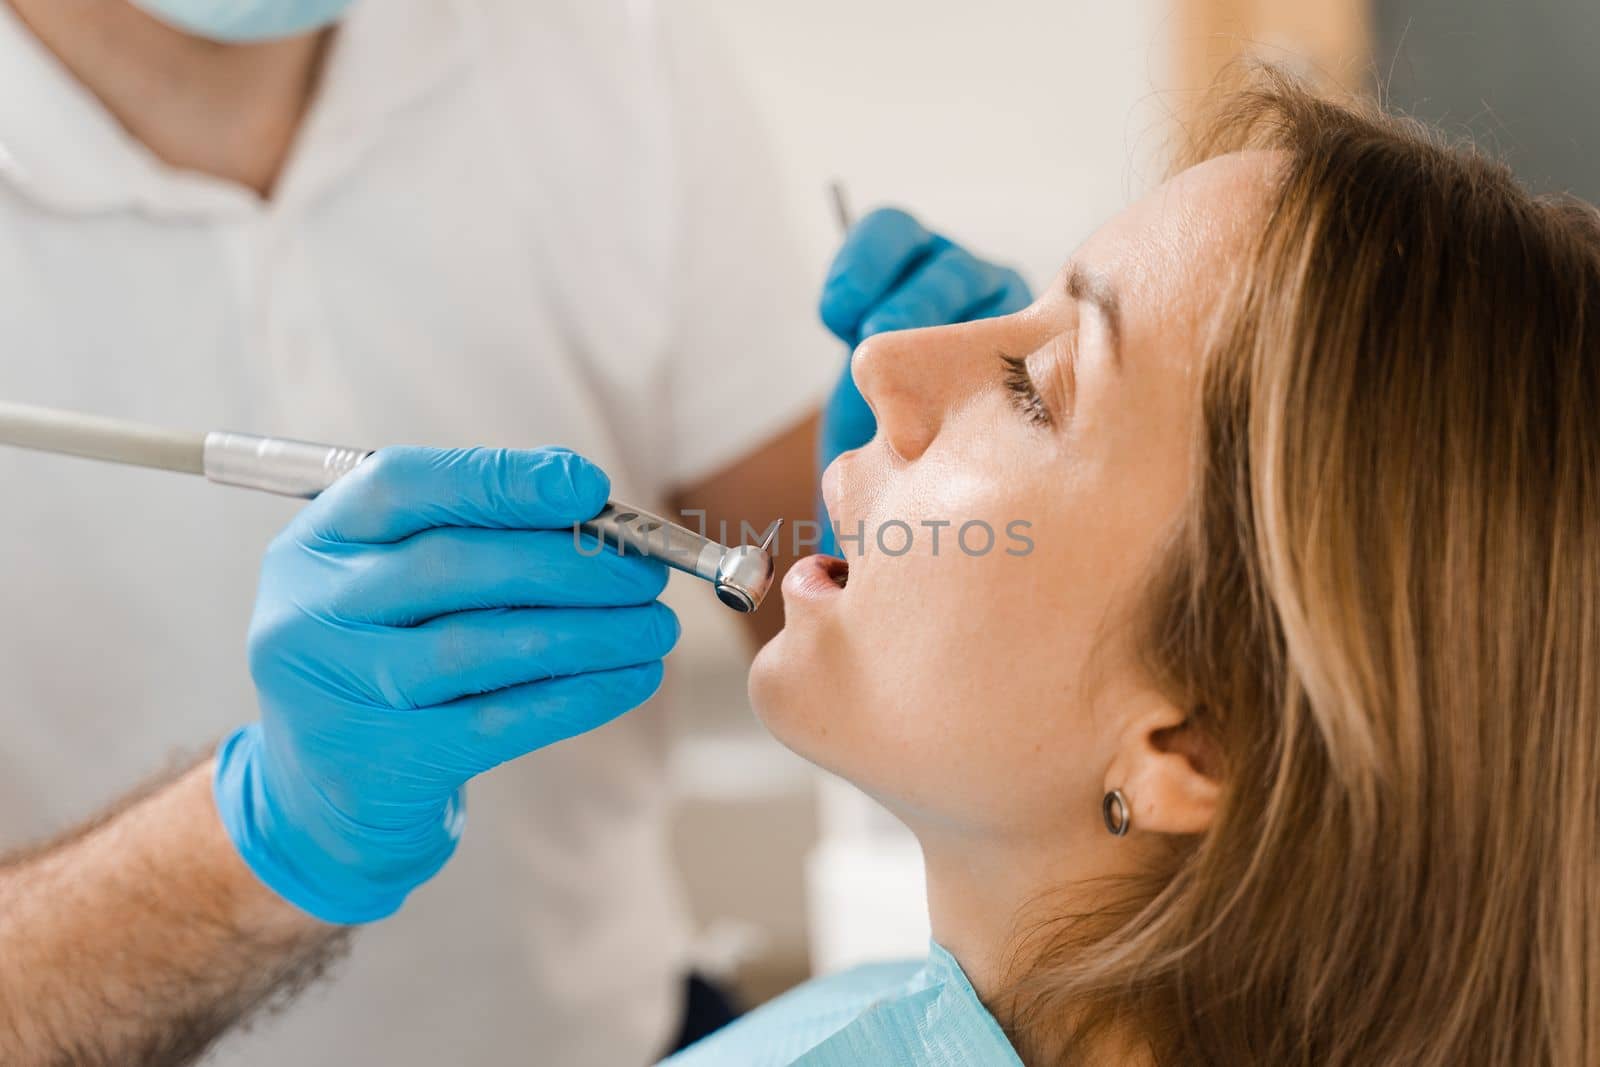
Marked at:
<point>740,575</point>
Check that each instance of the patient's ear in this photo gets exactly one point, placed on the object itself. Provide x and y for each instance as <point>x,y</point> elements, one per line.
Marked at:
<point>1169,770</point>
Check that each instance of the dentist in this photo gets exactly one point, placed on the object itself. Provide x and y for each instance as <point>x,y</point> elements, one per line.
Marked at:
<point>459,221</point>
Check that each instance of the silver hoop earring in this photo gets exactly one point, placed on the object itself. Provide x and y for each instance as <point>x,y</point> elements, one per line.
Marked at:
<point>1116,812</point>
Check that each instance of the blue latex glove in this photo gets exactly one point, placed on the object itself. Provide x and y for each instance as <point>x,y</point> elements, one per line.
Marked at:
<point>427,618</point>
<point>892,274</point>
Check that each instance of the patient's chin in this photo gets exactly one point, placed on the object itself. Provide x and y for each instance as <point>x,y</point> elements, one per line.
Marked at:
<point>768,686</point>
<point>793,695</point>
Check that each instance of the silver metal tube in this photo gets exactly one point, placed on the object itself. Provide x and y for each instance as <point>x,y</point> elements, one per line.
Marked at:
<point>842,216</point>
<point>277,464</point>
<point>741,576</point>
<point>629,529</point>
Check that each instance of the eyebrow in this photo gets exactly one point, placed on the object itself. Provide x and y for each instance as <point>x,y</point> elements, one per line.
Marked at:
<point>1096,289</point>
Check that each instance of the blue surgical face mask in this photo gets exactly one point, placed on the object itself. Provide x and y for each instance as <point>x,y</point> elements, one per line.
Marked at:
<point>246,20</point>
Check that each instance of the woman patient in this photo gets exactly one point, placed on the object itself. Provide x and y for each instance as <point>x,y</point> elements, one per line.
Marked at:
<point>1279,744</point>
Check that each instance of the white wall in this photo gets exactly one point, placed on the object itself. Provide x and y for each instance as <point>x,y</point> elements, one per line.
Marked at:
<point>1014,125</point>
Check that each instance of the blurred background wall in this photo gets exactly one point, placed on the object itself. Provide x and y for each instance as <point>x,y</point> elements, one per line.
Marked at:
<point>1016,125</point>
<point>1520,78</point>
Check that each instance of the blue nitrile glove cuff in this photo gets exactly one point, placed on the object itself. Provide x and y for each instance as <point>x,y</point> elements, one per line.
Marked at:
<point>306,857</point>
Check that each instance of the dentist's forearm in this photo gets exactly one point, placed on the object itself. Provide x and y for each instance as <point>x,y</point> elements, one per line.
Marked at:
<point>142,937</point>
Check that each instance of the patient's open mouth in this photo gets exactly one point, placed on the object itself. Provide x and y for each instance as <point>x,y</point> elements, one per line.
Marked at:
<point>816,577</point>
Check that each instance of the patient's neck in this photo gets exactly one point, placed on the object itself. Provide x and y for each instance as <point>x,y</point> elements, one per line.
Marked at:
<point>982,893</point>
<point>230,111</point>
<point>985,893</point>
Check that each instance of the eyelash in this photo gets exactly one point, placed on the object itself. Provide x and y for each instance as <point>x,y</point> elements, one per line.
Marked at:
<point>1024,393</point>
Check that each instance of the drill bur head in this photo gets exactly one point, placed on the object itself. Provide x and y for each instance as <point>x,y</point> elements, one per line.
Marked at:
<point>745,574</point>
<point>744,577</point>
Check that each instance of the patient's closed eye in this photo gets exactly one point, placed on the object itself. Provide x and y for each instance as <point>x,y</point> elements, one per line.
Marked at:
<point>1037,403</point>
<point>1024,393</point>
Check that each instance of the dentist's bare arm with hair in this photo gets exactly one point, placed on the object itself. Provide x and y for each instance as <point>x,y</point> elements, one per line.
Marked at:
<point>142,937</point>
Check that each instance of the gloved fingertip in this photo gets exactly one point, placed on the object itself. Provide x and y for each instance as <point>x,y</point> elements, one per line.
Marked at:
<point>657,582</point>
<point>645,680</point>
<point>840,308</point>
<point>668,627</point>
<point>608,694</point>
<point>630,579</point>
<point>584,485</point>
<point>876,324</point>
<point>887,216</point>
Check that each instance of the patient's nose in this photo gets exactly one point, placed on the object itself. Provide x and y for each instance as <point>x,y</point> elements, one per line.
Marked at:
<point>913,379</point>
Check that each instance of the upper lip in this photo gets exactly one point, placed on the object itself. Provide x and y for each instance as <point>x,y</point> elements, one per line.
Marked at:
<point>844,479</point>
<point>830,487</point>
<point>830,495</point>
<point>841,485</point>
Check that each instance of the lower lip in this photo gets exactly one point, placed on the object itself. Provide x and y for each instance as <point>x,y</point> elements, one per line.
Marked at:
<point>811,579</point>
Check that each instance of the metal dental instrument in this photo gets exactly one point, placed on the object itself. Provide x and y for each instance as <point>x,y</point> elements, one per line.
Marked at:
<point>741,576</point>
<point>841,206</point>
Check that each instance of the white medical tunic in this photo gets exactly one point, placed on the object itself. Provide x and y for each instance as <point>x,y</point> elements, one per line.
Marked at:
<point>506,222</point>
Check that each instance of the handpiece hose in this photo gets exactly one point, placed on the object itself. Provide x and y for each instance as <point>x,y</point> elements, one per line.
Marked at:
<point>93,437</point>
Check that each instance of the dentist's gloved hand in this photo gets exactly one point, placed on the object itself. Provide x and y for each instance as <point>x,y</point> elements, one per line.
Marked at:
<point>892,274</point>
<point>427,618</point>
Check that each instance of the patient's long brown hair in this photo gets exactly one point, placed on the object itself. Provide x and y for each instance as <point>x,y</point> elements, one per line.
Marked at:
<point>1384,610</point>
